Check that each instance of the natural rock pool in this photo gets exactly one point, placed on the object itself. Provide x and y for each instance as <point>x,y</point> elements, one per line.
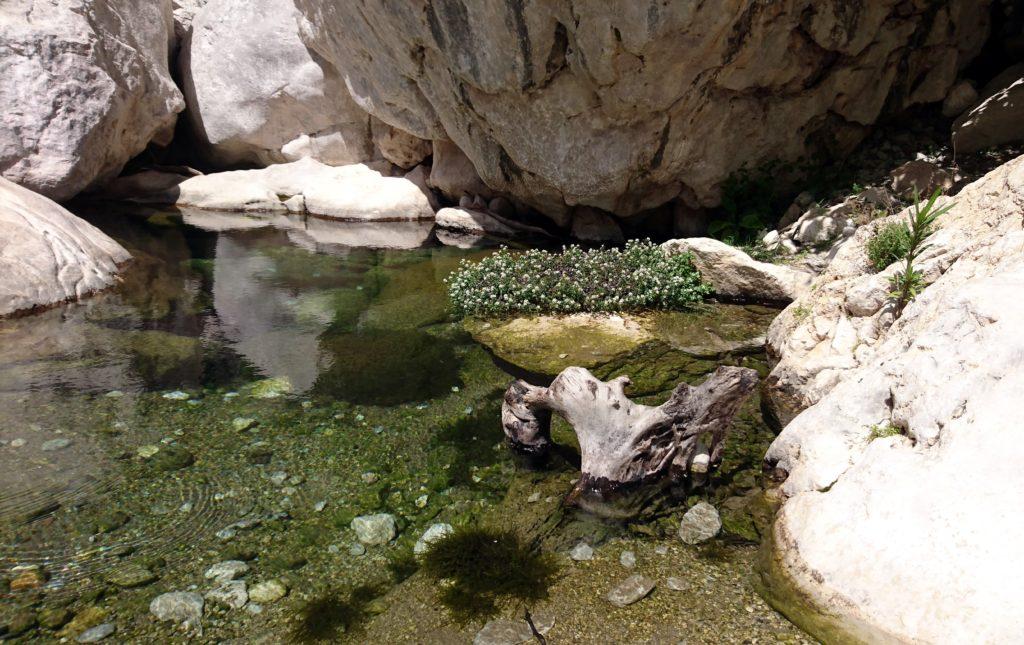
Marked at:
<point>254,386</point>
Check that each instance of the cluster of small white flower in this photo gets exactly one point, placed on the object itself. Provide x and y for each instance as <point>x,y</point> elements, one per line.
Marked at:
<point>641,276</point>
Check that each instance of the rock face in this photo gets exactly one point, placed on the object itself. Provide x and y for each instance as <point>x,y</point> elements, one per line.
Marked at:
<point>625,105</point>
<point>264,98</point>
<point>737,276</point>
<point>354,192</point>
<point>840,323</point>
<point>47,255</point>
<point>85,87</point>
<point>870,522</point>
<point>995,121</point>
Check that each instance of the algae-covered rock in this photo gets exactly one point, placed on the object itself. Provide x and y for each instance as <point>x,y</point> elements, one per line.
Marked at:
<point>548,344</point>
<point>170,458</point>
<point>656,350</point>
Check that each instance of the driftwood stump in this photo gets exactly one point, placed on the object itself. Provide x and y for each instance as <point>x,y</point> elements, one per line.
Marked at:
<point>629,451</point>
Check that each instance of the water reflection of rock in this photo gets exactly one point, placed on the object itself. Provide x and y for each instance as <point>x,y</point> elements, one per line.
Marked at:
<point>317,233</point>
<point>262,321</point>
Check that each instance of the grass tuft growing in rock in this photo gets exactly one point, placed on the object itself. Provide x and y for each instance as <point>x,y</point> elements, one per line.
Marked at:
<point>478,566</point>
<point>641,276</point>
<point>888,245</point>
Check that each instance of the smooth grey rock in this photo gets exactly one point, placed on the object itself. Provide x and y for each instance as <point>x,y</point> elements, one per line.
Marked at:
<point>736,275</point>
<point>356,192</point>
<point>996,121</point>
<point>513,632</point>
<point>628,559</point>
<point>700,523</point>
<point>97,633</point>
<point>582,552</point>
<point>431,535</point>
<point>184,607</point>
<point>920,177</point>
<point>677,584</point>
<point>473,222</point>
<point>232,593</point>
<point>55,444</point>
<point>630,590</point>
<point>268,591</point>
<point>265,98</point>
<point>49,255</point>
<point>226,571</point>
<point>375,530</point>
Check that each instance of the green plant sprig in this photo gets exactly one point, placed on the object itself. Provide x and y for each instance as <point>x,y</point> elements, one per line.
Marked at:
<point>908,283</point>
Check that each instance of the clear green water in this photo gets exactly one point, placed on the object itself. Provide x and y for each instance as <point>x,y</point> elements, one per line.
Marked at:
<point>269,376</point>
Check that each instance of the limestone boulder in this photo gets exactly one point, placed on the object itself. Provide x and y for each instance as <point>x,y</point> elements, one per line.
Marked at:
<point>995,121</point>
<point>734,275</point>
<point>624,106</point>
<point>875,509</point>
<point>842,320</point>
<point>85,86</point>
<point>48,255</point>
<point>920,178</point>
<point>472,222</point>
<point>355,192</point>
<point>256,94</point>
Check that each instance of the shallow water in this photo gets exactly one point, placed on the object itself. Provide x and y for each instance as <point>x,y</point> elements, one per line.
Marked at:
<point>250,388</point>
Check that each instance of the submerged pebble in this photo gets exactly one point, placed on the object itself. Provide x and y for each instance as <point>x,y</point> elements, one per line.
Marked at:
<point>431,535</point>
<point>232,593</point>
<point>268,591</point>
<point>376,529</point>
<point>628,559</point>
<point>700,523</point>
<point>226,571</point>
<point>582,552</point>
<point>630,590</point>
<point>97,633</point>
<point>55,444</point>
<point>185,607</point>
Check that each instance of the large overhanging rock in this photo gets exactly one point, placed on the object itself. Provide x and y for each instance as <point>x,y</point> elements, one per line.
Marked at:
<point>624,105</point>
<point>878,511</point>
<point>84,86</point>
<point>47,255</point>
<point>257,95</point>
<point>629,451</point>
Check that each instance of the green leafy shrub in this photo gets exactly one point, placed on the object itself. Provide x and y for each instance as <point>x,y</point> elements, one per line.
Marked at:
<point>641,276</point>
<point>889,244</point>
<point>748,204</point>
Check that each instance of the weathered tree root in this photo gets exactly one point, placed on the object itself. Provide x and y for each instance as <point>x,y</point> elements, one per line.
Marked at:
<point>629,451</point>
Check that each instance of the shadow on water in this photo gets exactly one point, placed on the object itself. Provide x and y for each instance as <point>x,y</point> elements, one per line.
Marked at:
<point>387,367</point>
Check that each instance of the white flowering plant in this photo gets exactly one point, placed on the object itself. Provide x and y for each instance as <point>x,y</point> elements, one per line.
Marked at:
<point>640,276</point>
